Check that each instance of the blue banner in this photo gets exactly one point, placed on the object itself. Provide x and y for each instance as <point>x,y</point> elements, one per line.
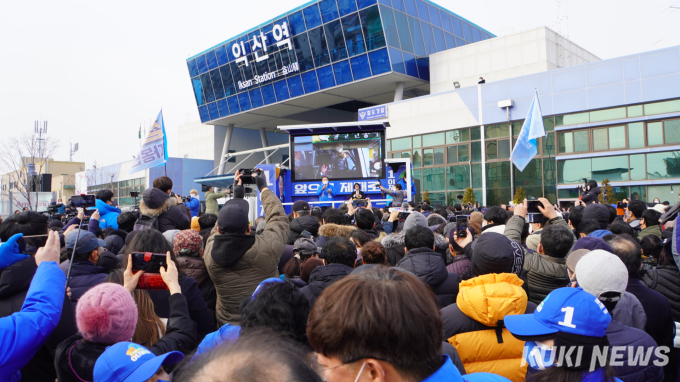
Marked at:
<point>374,112</point>
<point>154,151</point>
<point>525,148</point>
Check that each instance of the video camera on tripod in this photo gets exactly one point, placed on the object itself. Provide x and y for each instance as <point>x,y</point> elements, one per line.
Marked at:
<point>135,209</point>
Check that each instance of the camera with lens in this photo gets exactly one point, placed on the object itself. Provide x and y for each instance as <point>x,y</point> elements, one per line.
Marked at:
<point>247,176</point>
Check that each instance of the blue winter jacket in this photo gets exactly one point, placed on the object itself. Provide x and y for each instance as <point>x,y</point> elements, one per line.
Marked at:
<point>624,336</point>
<point>23,333</point>
<point>324,196</point>
<point>449,373</point>
<point>108,215</point>
<point>195,206</point>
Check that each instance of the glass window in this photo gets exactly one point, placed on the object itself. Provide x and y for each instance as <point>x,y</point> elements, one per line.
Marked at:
<point>295,86</point>
<point>198,90</point>
<point>452,154</point>
<point>317,41</point>
<point>637,167</point>
<point>434,16</point>
<point>397,60</point>
<point>212,109</point>
<point>663,165</point>
<point>531,179</point>
<point>310,82</point>
<point>303,52</point>
<point>600,139</point>
<point>422,11</point>
<point>450,41</point>
<point>256,97</point>
<point>436,139</point>
<point>635,111</point>
<point>380,61</point>
<point>428,157</point>
<point>474,133</point>
<point>438,156</point>
<point>202,64</point>
<point>652,108</point>
<point>233,105</point>
<point>458,177</point>
<point>549,123</point>
<point>581,140</point>
<point>573,171</point>
<point>503,148</point>
<point>417,141</point>
<point>389,145</point>
<point>417,158</point>
<point>312,16</point>
<point>566,143</point>
<point>548,145</point>
<point>268,93</point>
<point>428,38</point>
<point>354,38</point>
<point>491,150</point>
<point>212,60</point>
<point>404,34</point>
<point>498,183</point>
<point>416,36</point>
<point>446,22</point>
<point>396,155</point>
<point>227,80</point>
<point>372,27</point>
<point>406,154</point>
<point>639,193</point>
<point>335,40</point>
<point>517,127</point>
<point>391,33</point>
<point>222,57</point>
<point>439,39</point>
<point>297,23</point>
<point>572,119</point>
<point>467,31</point>
<point>476,151</point>
<point>281,90</point>
<point>617,137</point>
<point>223,107</point>
<point>423,68</point>
<point>329,10</point>
<point>477,178</point>
<point>193,69</point>
<point>549,183</point>
<point>398,5</point>
<point>365,3</point>
<point>244,101</point>
<point>463,153</point>
<point>457,27</point>
<point>410,64</point>
<point>636,135</point>
<point>456,136</point>
<point>343,73</point>
<point>401,144</point>
<point>608,114</point>
<point>654,134</point>
<point>360,67</point>
<point>326,78</point>
<point>568,194</point>
<point>207,88</point>
<point>496,131</point>
<point>411,9</point>
<point>666,192</point>
<point>476,34</point>
<point>433,179</point>
<point>612,168</point>
<point>671,131</point>
<point>346,7</point>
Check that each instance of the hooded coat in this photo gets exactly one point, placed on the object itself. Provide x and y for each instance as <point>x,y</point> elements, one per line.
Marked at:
<point>665,279</point>
<point>194,267</point>
<point>168,213</point>
<point>329,230</point>
<point>625,337</point>
<point>321,278</point>
<point>84,275</point>
<point>303,223</point>
<point>430,268</point>
<point>591,196</point>
<point>108,215</point>
<point>238,263</point>
<point>651,230</point>
<point>474,324</point>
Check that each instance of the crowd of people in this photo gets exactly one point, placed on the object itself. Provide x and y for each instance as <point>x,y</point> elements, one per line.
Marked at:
<point>418,293</point>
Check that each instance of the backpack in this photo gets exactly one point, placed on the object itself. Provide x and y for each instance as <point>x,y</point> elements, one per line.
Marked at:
<point>146,222</point>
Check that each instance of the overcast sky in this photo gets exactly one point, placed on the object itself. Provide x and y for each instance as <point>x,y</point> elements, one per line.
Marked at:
<point>96,71</point>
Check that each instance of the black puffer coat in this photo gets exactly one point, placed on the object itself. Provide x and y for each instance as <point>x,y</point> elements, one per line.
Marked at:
<point>195,268</point>
<point>303,223</point>
<point>322,277</point>
<point>428,266</point>
<point>14,283</point>
<point>666,280</point>
<point>170,215</point>
<point>591,196</point>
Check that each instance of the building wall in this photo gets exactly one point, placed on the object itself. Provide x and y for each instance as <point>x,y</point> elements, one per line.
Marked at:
<point>518,54</point>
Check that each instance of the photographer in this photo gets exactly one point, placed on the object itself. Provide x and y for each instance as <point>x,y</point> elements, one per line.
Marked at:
<point>107,211</point>
<point>591,192</point>
<point>168,212</point>
<point>194,203</point>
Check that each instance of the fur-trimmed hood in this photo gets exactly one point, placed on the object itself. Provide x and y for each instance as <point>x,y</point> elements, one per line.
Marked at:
<point>396,240</point>
<point>155,202</point>
<point>336,230</point>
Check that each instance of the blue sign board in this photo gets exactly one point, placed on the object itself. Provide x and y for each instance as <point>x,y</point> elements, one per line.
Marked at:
<point>370,113</point>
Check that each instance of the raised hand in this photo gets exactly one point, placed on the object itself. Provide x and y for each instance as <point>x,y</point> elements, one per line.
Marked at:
<point>171,275</point>
<point>130,279</point>
<point>50,252</point>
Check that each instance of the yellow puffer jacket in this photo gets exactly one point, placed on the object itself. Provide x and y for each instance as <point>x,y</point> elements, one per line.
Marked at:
<point>487,299</point>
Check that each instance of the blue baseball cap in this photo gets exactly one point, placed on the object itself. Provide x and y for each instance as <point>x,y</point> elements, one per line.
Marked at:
<point>87,241</point>
<point>567,310</point>
<point>130,362</point>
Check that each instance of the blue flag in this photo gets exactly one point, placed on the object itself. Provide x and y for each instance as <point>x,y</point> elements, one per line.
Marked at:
<point>525,148</point>
<point>154,151</point>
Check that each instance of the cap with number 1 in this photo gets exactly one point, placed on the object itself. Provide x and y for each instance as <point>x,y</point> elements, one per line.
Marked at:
<point>567,310</point>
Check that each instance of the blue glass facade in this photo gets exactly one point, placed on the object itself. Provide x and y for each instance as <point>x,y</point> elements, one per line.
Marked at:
<point>320,45</point>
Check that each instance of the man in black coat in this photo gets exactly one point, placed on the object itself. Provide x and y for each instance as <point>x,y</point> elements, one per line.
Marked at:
<point>428,265</point>
<point>303,222</point>
<point>340,255</point>
<point>170,212</point>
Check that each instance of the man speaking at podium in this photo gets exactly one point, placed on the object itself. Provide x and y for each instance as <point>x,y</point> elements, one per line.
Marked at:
<point>325,193</point>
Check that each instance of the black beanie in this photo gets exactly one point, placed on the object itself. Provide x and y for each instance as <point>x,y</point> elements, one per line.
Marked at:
<point>495,253</point>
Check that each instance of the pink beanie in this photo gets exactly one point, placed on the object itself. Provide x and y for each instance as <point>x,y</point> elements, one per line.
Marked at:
<point>107,314</point>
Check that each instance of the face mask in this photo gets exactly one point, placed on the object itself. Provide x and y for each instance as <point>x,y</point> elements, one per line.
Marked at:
<point>338,149</point>
<point>194,196</point>
<point>325,182</point>
<point>539,356</point>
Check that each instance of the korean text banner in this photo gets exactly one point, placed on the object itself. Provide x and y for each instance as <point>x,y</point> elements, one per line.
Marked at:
<point>154,151</point>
